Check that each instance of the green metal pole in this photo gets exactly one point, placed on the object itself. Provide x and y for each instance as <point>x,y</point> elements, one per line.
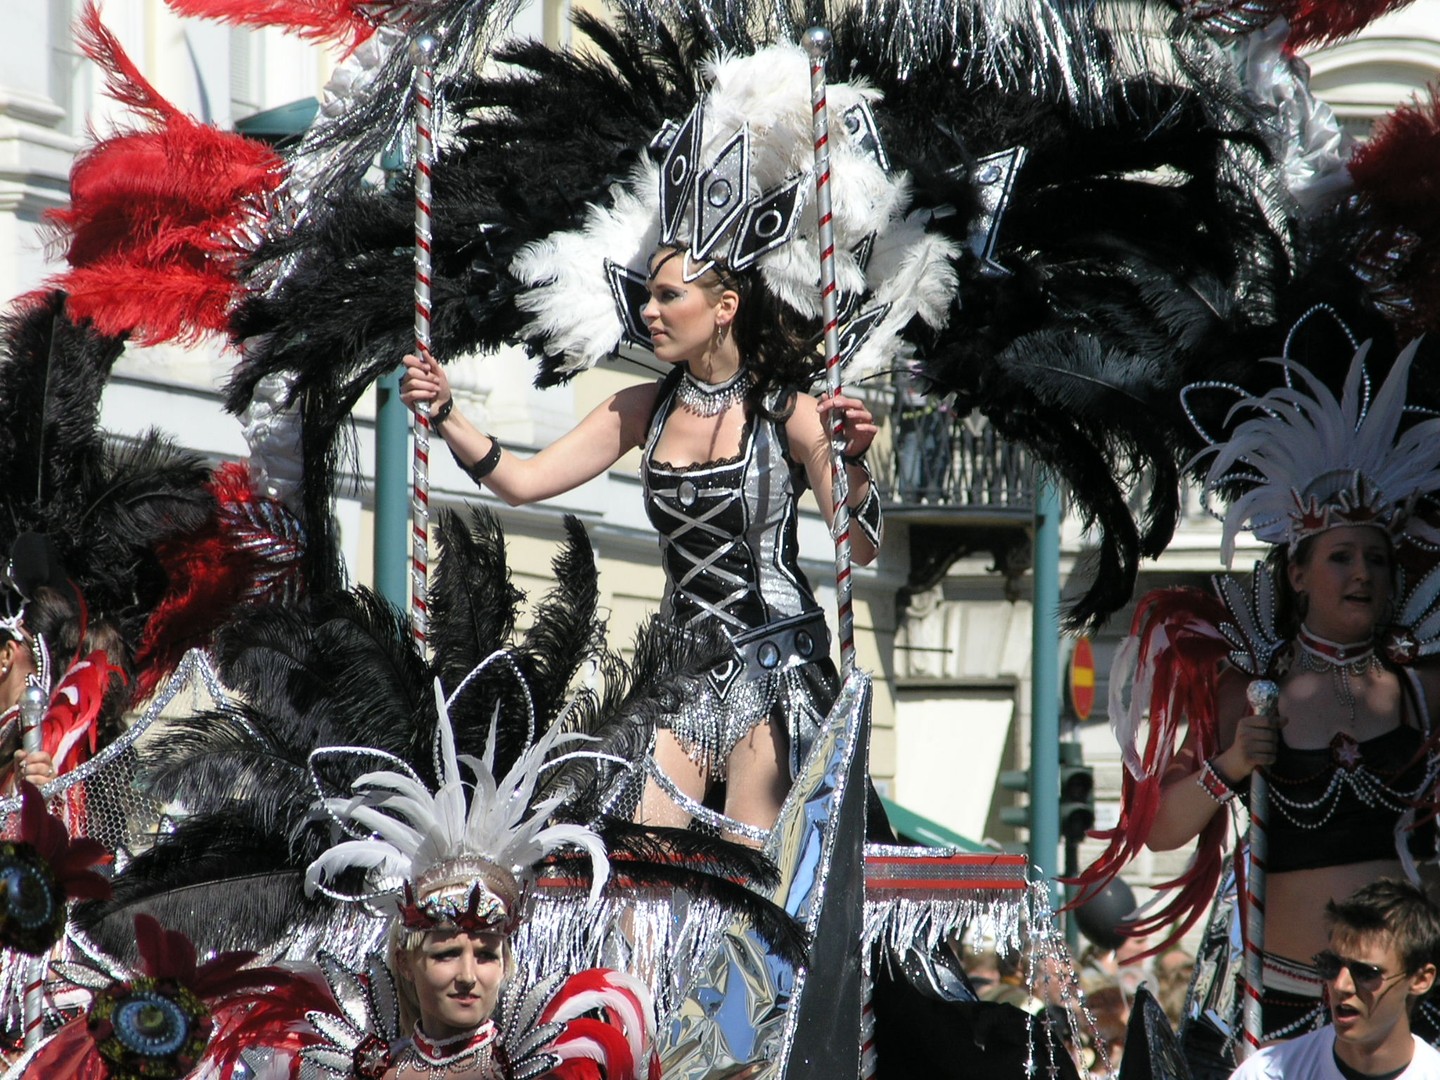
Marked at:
<point>1045,691</point>
<point>392,492</point>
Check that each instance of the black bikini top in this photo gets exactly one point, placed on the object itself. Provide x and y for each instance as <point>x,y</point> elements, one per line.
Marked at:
<point>1342,804</point>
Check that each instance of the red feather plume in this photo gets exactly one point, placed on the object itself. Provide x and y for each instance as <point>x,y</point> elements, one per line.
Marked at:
<point>158,216</point>
<point>347,21</point>
<point>609,1022</point>
<point>1397,174</point>
<point>248,552</point>
<point>1179,658</point>
<point>1323,22</point>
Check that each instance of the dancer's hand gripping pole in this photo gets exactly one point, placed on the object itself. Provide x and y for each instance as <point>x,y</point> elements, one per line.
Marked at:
<point>817,43</point>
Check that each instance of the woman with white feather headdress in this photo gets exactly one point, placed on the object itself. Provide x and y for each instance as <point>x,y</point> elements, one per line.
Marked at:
<point>1336,484</point>
<point>454,865</point>
<point>707,256</point>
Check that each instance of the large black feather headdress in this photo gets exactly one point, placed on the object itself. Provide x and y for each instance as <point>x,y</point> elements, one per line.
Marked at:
<point>1096,215</point>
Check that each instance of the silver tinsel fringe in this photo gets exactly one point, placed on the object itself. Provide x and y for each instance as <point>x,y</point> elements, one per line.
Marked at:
<point>656,935</point>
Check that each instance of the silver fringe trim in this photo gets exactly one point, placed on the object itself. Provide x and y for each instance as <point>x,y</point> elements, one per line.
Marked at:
<point>895,925</point>
<point>659,936</point>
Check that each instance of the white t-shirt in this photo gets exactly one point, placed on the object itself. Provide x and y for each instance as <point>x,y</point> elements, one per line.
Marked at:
<point>1312,1057</point>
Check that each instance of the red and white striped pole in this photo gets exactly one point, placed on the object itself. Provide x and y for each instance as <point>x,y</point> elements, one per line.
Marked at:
<point>817,46</point>
<point>868,1061</point>
<point>33,1001</point>
<point>34,701</point>
<point>1263,697</point>
<point>422,53</point>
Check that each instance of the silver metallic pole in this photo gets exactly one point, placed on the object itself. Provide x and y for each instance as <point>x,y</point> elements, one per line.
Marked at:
<point>33,703</point>
<point>1263,697</point>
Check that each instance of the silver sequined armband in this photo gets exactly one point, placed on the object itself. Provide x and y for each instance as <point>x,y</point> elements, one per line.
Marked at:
<point>867,514</point>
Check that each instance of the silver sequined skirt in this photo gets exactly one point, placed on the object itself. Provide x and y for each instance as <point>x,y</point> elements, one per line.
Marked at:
<point>780,673</point>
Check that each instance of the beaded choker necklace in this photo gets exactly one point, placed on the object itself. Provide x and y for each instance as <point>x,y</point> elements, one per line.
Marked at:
<point>448,1051</point>
<point>1319,654</point>
<point>1342,662</point>
<point>711,399</point>
<point>473,1052</point>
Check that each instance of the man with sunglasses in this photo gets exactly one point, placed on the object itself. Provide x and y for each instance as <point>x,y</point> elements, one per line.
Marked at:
<point>1384,941</point>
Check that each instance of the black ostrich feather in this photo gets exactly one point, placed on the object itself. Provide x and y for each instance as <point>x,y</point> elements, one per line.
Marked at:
<point>472,602</point>
<point>344,673</point>
<point>223,880</point>
<point>239,751</point>
<point>727,873</point>
<point>51,375</point>
<point>567,632</point>
<point>108,505</point>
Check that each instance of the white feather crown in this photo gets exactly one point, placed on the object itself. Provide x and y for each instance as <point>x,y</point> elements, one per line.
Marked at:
<point>462,855</point>
<point>1314,462</point>
<point>733,183</point>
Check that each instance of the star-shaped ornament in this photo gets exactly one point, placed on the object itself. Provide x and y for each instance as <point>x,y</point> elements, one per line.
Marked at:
<point>1345,752</point>
<point>1401,646</point>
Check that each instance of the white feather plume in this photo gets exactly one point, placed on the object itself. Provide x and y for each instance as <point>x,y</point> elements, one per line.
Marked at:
<point>1320,460</point>
<point>413,830</point>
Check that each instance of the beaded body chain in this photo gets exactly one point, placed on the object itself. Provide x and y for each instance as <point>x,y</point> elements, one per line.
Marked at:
<point>1348,772</point>
<point>1347,767</point>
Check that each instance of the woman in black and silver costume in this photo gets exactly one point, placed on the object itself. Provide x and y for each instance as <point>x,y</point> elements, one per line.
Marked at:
<point>730,442</point>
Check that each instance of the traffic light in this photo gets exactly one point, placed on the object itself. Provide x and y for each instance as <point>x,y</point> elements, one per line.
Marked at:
<point>1015,780</point>
<point>1077,794</point>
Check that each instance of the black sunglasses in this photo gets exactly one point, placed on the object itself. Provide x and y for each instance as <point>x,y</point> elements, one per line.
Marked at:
<point>1366,977</point>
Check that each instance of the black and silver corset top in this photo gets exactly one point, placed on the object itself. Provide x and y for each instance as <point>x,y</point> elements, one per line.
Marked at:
<point>728,529</point>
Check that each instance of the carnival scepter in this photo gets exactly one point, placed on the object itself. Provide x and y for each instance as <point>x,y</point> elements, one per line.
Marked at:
<point>1263,697</point>
<point>817,42</point>
<point>422,53</point>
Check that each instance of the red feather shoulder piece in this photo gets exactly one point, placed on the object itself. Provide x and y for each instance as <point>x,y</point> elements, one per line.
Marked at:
<point>1171,662</point>
<point>160,215</point>
<point>609,1020</point>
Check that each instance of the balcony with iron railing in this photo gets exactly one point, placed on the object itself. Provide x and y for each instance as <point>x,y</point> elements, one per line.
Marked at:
<point>939,467</point>
<point>953,482</point>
